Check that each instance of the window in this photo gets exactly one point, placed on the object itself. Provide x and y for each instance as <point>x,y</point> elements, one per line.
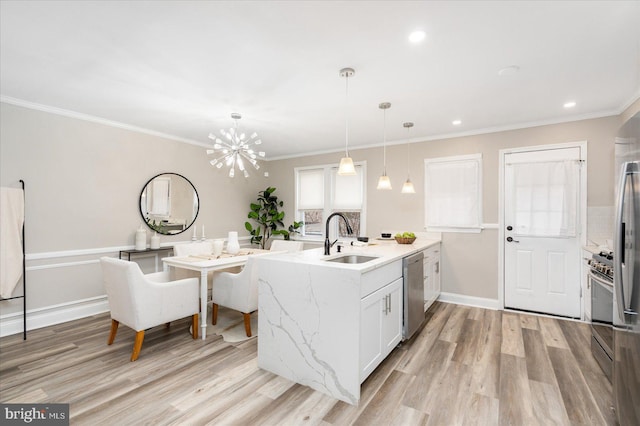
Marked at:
<point>320,191</point>
<point>453,193</point>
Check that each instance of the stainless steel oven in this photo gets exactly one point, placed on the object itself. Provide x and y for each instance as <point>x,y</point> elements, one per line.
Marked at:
<point>601,284</point>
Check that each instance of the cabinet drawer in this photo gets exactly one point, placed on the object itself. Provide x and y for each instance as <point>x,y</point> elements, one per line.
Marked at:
<point>378,278</point>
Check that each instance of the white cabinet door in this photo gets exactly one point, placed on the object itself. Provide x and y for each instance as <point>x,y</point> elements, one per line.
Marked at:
<point>370,335</point>
<point>380,326</point>
<point>392,317</point>
<point>431,275</point>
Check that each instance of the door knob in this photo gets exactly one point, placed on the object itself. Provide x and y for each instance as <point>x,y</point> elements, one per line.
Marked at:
<point>511,240</point>
<point>509,228</point>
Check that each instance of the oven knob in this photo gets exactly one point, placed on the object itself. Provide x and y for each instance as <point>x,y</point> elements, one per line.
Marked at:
<point>590,262</point>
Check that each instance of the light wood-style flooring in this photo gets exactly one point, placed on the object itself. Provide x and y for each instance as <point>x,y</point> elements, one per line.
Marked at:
<point>466,366</point>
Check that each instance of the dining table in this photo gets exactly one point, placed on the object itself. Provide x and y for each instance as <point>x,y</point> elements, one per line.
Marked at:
<point>205,263</point>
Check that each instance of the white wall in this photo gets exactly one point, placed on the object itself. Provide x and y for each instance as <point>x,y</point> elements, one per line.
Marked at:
<point>83,182</point>
<point>469,261</point>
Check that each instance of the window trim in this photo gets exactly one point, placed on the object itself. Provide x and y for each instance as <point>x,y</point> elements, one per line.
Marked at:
<point>477,158</point>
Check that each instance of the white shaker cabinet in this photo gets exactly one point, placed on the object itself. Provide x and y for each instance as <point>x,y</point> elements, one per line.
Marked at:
<point>431,268</point>
<point>381,326</point>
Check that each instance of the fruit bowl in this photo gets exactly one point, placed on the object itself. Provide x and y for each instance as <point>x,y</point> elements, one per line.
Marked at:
<point>405,240</point>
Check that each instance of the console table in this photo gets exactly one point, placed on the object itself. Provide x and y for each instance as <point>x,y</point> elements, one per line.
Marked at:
<point>147,252</point>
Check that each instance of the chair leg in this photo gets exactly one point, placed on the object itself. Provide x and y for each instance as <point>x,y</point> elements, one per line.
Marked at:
<point>137,345</point>
<point>214,314</point>
<point>194,326</point>
<point>114,330</point>
<point>247,324</point>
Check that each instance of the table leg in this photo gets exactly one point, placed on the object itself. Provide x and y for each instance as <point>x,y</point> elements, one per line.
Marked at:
<point>203,303</point>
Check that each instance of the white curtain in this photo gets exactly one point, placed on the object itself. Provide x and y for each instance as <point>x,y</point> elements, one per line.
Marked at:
<point>545,198</point>
<point>452,193</point>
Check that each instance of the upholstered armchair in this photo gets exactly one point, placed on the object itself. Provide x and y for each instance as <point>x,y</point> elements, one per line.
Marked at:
<point>142,301</point>
<point>286,245</point>
<point>237,291</point>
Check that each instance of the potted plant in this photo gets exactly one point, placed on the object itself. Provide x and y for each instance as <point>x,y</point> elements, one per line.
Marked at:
<point>266,213</point>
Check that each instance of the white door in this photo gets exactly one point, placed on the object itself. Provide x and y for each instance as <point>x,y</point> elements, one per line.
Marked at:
<point>542,223</point>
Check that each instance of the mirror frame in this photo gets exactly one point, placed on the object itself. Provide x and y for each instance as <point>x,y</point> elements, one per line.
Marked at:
<point>144,219</point>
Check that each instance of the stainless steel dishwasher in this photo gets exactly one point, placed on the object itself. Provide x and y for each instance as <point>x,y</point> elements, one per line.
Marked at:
<point>413,277</point>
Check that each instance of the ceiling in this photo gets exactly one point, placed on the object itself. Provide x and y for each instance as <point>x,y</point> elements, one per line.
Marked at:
<point>180,68</point>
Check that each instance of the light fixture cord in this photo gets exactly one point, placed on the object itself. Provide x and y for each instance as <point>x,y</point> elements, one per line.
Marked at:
<point>346,149</point>
<point>384,141</point>
<point>408,156</point>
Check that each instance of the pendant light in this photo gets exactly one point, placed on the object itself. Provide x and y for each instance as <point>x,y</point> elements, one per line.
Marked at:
<point>384,182</point>
<point>346,163</point>
<point>407,187</point>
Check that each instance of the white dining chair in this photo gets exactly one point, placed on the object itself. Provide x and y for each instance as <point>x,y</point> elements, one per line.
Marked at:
<point>238,292</point>
<point>286,245</point>
<point>142,301</point>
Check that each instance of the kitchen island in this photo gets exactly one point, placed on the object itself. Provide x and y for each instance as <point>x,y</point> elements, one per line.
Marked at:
<point>327,324</point>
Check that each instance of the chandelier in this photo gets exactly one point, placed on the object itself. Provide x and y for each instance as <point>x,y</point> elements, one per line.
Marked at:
<point>235,149</point>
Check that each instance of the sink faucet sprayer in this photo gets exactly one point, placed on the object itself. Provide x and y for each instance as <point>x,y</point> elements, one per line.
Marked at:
<point>327,243</point>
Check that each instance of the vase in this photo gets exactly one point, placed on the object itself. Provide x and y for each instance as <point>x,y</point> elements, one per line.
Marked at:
<point>141,239</point>
<point>233,246</point>
<point>155,241</point>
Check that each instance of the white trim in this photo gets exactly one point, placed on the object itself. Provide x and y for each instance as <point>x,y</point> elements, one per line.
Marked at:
<point>583,203</point>
<point>484,131</point>
<point>62,265</point>
<point>478,302</point>
<point>103,250</point>
<point>490,225</point>
<point>51,315</point>
<point>95,119</point>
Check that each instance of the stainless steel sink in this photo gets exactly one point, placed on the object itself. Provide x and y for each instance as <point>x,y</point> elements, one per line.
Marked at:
<point>352,258</point>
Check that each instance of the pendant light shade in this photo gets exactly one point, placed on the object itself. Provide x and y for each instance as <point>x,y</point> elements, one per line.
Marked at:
<point>346,163</point>
<point>346,167</point>
<point>408,188</point>
<point>384,182</point>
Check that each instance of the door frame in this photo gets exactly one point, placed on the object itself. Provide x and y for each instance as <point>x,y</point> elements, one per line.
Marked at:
<point>582,209</point>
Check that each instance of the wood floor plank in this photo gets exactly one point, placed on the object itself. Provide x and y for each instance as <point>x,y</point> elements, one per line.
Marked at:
<point>552,334</point>
<point>512,343</point>
<point>454,324</point>
<point>486,368</point>
<point>392,392</point>
<point>515,395</point>
<point>465,366</point>
<point>548,407</point>
<point>578,401</point>
<point>539,366</point>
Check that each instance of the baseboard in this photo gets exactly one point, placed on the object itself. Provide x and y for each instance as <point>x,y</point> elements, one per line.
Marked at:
<point>478,302</point>
<point>51,315</point>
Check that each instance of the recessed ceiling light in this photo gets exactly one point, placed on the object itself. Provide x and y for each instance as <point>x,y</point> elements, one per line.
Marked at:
<point>456,122</point>
<point>569,104</point>
<point>417,36</point>
<point>510,70</point>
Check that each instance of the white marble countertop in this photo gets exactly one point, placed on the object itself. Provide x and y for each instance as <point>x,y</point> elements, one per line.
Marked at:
<point>385,251</point>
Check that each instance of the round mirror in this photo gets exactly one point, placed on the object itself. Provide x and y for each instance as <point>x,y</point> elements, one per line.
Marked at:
<point>169,203</point>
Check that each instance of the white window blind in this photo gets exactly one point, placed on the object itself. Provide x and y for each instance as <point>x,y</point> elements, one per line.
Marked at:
<point>348,191</point>
<point>546,198</point>
<point>453,193</point>
<point>310,189</point>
